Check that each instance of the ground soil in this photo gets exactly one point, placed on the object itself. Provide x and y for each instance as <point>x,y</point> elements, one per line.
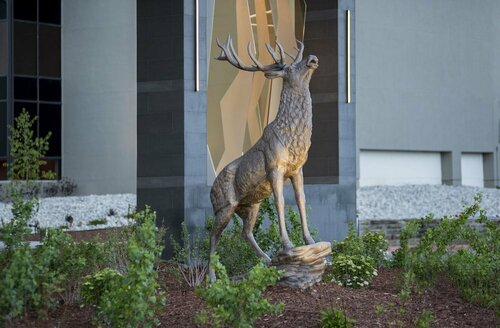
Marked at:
<point>302,307</point>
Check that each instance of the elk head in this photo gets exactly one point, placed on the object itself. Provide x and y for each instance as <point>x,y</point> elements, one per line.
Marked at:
<point>295,75</point>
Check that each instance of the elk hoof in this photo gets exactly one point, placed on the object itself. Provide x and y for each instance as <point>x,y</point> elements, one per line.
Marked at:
<point>288,245</point>
<point>309,240</point>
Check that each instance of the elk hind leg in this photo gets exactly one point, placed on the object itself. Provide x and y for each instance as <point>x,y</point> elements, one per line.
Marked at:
<point>249,218</point>
<point>221,220</point>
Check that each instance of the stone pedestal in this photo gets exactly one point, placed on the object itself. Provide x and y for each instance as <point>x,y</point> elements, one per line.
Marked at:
<point>303,265</point>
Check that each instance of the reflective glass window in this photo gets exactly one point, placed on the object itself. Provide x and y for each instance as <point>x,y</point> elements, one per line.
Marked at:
<point>50,50</point>
<point>25,9</point>
<point>50,121</point>
<point>3,88</point>
<point>3,170</point>
<point>3,129</point>
<point>50,11</point>
<point>3,48</point>
<point>3,9</point>
<point>25,48</point>
<point>50,90</point>
<point>25,88</point>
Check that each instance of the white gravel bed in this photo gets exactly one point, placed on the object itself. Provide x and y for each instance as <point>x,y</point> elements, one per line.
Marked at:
<point>415,201</point>
<point>83,209</point>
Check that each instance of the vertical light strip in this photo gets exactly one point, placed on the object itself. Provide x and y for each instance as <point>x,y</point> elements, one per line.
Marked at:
<point>348,54</point>
<point>197,47</point>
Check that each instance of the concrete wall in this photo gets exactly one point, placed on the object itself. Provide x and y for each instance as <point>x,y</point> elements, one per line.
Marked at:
<point>99,95</point>
<point>428,77</point>
<point>160,112</point>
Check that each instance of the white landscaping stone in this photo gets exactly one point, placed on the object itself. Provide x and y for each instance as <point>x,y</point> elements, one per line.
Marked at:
<point>53,211</point>
<point>416,201</point>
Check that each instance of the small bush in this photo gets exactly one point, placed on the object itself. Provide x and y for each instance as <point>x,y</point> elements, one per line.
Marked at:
<point>375,246</point>
<point>26,150</point>
<point>352,271</point>
<point>96,222</point>
<point>371,245</point>
<point>191,258</point>
<point>335,318</point>
<point>238,304</point>
<point>131,299</point>
<point>425,319</point>
<point>474,270</point>
<point>237,255</point>
<point>66,186</point>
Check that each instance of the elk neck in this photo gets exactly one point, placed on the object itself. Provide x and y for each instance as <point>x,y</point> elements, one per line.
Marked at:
<point>293,123</point>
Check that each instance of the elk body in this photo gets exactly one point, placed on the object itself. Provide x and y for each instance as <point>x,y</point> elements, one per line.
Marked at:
<point>277,156</point>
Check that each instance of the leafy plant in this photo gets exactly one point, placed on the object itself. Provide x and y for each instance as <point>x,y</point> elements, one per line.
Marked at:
<point>351,270</point>
<point>237,304</point>
<point>236,254</point>
<point>474,269</point>
<point>191,258</point>
<point>375,246</point>
<point>335,318</point>
<point>425,319</point>
<point>26,150</point>
<point>372,245</point>
<point>96,222</point>
<point>131,299</point>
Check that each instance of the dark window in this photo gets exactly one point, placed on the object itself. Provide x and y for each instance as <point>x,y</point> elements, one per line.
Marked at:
<point>3,48</point>
<point>3,88</point>
<point>31,109</point>
<point>50,11</point>
<point>50,121</point>
<point>53,165</point>
<point>25,88</point>
<point>3,9</point>
<point>50,90</point>
<point>3,129</point>
<point>25,54</point>
<point>3,170</point>
<point>25,10</point>
<point>50,50</point>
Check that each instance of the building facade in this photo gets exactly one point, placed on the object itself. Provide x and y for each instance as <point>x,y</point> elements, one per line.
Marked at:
<point>428,92</point>
<point>406,92</point>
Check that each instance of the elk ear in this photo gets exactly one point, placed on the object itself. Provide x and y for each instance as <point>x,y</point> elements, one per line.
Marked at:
<point>274,74</point>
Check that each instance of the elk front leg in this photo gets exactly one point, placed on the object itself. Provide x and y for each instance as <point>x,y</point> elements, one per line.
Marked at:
<point>300,198</point>
<point>276,178</point>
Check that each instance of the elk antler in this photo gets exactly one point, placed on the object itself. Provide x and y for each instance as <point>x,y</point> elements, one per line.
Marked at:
<point>300,50</point>
<point>229,54</point>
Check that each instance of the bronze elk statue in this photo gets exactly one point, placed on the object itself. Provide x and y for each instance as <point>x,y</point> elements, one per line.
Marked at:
<point>277,156</point>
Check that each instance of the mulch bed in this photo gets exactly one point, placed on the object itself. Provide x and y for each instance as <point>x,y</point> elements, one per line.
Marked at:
<point>302,307</point>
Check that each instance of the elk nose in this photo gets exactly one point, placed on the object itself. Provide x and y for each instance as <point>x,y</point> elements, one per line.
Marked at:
<point>312,61</point>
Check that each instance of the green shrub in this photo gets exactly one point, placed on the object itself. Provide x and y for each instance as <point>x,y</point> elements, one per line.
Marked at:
<point>335,318</point>
<point>474,270</point>
<point>375,246</point>
<point>26,151</point>
<point>237,256</point>
<point>191,257</point>
<point>134,298</point>
<point>371,245</point>
<point>351,270</point>
<point>99,284</point>
<point>425,319</point>
<point>96,222</point>
<point>237,304</point>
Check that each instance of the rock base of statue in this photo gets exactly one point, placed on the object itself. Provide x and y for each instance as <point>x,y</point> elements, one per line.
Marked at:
<point>303,266</point>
